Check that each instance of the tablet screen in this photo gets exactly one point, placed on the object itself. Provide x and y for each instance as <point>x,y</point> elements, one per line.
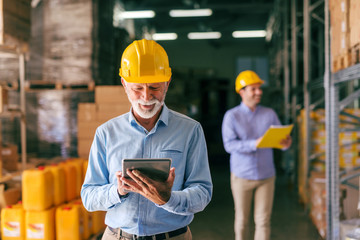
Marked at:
<point>155,168</point>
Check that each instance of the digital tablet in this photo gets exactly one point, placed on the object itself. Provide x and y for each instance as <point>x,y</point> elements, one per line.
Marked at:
<point>155,168</point>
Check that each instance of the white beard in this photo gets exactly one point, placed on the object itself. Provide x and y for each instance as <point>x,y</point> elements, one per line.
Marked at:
<point>146,114</point>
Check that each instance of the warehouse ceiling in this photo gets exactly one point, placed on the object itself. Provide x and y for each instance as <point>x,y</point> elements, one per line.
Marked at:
<point>228,16</point>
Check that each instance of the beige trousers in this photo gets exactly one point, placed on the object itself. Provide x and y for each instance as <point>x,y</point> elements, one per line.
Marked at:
<point>109,235</point>
<point>261,192</point>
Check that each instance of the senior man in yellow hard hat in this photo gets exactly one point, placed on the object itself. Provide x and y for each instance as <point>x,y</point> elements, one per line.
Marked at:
<point>252,169</point>
<point>141,207</point>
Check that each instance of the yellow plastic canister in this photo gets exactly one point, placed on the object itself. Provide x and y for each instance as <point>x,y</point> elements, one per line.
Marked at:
<point>98,221</point>
<point>40,224</point>
<point>69,222</point>
<point>58,173</point>
<point>87,224</point>
<point>78,164</point>
<point>85,165</point>
<point>13,223</point>
<point>37,189</point>
<point>70,180</point>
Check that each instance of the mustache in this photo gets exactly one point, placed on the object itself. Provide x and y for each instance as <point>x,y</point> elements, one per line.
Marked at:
<point>150,102</point>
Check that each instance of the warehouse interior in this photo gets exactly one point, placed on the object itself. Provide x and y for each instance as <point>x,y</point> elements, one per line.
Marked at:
<point>59,80</point>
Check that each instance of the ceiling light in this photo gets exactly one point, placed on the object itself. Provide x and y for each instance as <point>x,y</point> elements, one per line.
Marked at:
<point>249,34</point>
<point>137,14</point>
<point>164,36</point>
<point>204,35</point>
<point>191,13</point>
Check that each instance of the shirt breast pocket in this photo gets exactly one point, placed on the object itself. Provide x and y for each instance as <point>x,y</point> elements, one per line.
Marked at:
<point>175,154</point>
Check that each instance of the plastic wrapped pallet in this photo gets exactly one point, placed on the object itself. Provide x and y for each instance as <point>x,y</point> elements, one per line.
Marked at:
<point>67,40</point>
<point>15,19</point>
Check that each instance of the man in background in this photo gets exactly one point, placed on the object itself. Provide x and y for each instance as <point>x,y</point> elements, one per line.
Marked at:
<point>252,169</point>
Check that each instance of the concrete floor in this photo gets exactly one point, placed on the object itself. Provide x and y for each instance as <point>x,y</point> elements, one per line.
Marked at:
<point>289,219</point>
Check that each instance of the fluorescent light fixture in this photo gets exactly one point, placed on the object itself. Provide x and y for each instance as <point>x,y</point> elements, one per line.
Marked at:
<point>204,35</point>
<point>137,14</point>
<point>249,34</point>
<point>164,36</point>
<point>191,13</point>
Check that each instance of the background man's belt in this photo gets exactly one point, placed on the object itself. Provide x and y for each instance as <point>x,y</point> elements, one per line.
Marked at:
<point>159,236</point>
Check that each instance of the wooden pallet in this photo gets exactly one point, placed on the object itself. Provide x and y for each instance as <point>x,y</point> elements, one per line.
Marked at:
<point>355,54</point>
<point>341,62</point>
<point>46,85</point>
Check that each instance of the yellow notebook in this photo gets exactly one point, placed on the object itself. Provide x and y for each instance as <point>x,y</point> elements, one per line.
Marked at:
<point>274,135</point>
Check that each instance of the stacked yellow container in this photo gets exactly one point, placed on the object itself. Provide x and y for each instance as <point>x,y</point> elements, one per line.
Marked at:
<point>70,181</point>
<point>51,207</point>
<point>87,217</point>
<point>38,203</point>
<point>98,221</point>
<point>59,176</point>
<point>69,222</point>
<point>13,223</point>
<point>40,224</point>
<point>73,221</point>
<point>78,164</point>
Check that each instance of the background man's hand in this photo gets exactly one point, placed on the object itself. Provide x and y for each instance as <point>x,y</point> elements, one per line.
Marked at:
<point>156,191</point>
<point>286,143</point>
<point>258,141</point>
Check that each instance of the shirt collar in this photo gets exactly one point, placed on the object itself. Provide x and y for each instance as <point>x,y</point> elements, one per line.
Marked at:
<point>164,117</point>
<point>245,108</point>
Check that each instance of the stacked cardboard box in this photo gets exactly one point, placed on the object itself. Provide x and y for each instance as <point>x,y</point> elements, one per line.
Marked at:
<point>318,201</point>
<point>110,102</point>
<point>349,148</point>
<point>345,33</point>
<point>10,157</point>
<point>354,19</point>
<point>312,190</point>
<point>317,124</point>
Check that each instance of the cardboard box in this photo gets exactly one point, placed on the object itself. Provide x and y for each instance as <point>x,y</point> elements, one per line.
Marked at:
<point>340,34</point>
<point>10,195</point>
<point>84,146</point>
<point>87,130</point>
<point>10,157</point>
<point>351,200</point>
<point>354,22</point>
<point>347,226</point>
<point>119,108</point>
<point>86,112</point>
<point>110,94</point>
<point>103,116</point>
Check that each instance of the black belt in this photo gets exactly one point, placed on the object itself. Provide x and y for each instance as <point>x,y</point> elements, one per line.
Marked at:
<point>159,236</point>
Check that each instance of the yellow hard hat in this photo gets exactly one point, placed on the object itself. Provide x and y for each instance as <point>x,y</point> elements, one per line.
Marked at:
<point>145,61</point>
<point>245,78</point>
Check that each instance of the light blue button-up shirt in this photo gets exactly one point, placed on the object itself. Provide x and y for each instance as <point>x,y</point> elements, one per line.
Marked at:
<point>174,136</point>
<point>241,128</point>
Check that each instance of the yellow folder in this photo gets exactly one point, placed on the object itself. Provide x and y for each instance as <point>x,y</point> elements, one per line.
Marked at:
<point>274,135</point>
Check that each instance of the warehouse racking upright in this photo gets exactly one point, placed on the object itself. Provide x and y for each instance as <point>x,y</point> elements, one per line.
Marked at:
<point>18,111</point>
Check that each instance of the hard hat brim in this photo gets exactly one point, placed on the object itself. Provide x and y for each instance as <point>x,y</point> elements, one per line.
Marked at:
<point>147,79</point>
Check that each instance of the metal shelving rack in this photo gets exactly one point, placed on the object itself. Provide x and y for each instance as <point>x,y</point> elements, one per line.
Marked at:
<point>316,80</point>
<point>312,81</point>
<point>20,112</point>
<point>333,108</point>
